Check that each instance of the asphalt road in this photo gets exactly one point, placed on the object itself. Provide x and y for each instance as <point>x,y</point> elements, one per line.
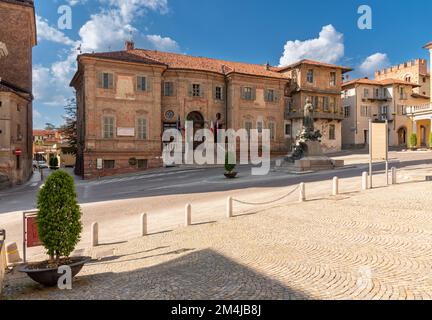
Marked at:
<point>173,181</point>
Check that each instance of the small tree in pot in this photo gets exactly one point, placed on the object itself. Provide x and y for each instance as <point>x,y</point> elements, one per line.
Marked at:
<point>230,165</point>
<point>59,228</point>
<point>413,141</point>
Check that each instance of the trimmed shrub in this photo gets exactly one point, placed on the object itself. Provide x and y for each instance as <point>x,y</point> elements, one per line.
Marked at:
<point>229,167</point>
<point>413,141</point>
<point>59,216</point>
<point>430,140</point>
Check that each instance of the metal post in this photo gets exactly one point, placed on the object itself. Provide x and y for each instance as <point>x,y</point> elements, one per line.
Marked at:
<point>24,238</point>
<point>229,207</point>
<point>143,224</point>
<point>387,146</point>
<point>364,181</point>
<point>335,186</point>
<point>188,215</point>
<point>370,154</point>
<point>302,197</point>
<point>394,175</point>
<point>95,234</point>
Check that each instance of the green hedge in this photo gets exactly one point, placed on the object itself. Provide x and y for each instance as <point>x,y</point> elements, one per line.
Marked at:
<point>59,215</point>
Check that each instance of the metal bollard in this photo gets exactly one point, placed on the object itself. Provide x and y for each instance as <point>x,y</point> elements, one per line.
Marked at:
<point>364,181</point>
<point>229,207</point>
<point>394,175</point>
<point>144,224</point>
<point>335,186</point>
<point>302,197</point>
<point>95,234</point>
<point>188,215</point>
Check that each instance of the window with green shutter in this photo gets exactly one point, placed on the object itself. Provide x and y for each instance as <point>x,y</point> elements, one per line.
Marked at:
<point>142,128</point>
<point>108,127</point>
<point>105,80</point>
<point>141,83</point>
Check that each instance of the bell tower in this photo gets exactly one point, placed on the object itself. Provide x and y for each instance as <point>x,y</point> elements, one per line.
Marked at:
<point>429,46</point>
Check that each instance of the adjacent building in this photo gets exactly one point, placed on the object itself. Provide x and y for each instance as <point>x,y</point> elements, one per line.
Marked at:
<point>18,37</point>
<point>126,99</point>
<point>400,95</point>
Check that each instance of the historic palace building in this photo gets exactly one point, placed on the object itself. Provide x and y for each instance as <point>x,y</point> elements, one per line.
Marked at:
<point>126,99</point>
<point>399,94</point>
<point>17,38</point>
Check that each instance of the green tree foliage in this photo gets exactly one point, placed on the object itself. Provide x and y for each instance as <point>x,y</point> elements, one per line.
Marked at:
<point>69,129</point>
<point>59,216</point>
<point>229,162</point>
<point>413,141</point>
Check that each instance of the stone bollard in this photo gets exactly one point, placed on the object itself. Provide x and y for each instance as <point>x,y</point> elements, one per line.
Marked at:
<point>302,197</point>
<point>95,234</point>
<point>229,207</point>
<point>394,175</point>
<point>335,186</point>
<point>188,215</point>
<point>12,254</point>
<point>144,224</point>
<point>364,181</point>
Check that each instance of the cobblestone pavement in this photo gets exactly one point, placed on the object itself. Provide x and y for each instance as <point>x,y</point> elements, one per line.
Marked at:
<point>371,245</point>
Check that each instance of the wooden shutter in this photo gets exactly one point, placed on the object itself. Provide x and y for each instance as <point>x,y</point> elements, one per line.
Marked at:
<point>110,80</point>
<point>148,83</point>
<point>202,88</point>
<point>140,84</point>
<point>190,90</point>
<point>253,93</point>
<point>100,79</point>
<point>276,96</point>
<point>242,93</point>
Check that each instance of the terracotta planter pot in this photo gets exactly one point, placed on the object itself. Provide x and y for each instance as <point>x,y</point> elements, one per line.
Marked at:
<point>48,277</point>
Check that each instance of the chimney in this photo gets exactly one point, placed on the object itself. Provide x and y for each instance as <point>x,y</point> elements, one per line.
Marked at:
<point>267,66</point>
<point>130,45</point>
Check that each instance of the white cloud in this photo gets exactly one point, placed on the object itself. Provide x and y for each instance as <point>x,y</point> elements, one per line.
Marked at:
<point>162,43</point>
<point>374,62</point>
<point>75,2</point>
<point>36,114</point>
<point>106,30</point>
<point>47,32</point>
<point>328,47</point>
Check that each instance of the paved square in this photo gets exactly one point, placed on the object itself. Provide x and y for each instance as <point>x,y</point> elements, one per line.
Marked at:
<point>372,245</point>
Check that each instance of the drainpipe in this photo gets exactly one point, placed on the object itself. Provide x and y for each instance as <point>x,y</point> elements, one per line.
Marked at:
<point>226,103</point>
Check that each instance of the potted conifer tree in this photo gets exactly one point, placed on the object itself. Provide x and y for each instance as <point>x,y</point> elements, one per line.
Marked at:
<point>413,141</point>
<point>230,166</point>
<point>59,228</point>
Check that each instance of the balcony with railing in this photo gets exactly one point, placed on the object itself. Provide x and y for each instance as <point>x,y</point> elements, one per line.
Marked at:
<point>417,110</point>
<point>319,113</point>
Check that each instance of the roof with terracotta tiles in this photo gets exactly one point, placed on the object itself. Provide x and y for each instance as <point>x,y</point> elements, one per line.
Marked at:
<point>384,82</point>
<point>314,63</point>
<point>187,62</point>
<point>28,3</point>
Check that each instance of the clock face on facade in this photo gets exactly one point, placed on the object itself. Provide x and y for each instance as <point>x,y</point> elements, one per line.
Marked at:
<point>169,114</point>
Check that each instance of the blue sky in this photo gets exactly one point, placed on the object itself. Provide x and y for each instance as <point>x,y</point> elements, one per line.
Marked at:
<point>275,31</point>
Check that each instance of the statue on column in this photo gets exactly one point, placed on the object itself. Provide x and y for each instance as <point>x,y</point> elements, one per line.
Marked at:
<point>308,121</point>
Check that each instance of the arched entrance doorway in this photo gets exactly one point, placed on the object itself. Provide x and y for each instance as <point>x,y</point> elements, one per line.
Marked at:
<point>402,136</point>
<point>198,123</point>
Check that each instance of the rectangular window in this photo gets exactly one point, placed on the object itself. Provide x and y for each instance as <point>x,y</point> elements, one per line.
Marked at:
<point>106,80</point>
<point>272,129</point>
<point>109,164</point>
<point>333,104</point>
<point>366,93</point>
<point>248,127</point>
<point>287,129</point>
<point>196,90</point>
<point>310,76</point>
<point>332,79</point>
<point>347,111</point>
<point>141,83</point>
<point>270,95</point>
<point>218,93</point>
<point>142,129</point>
<point>364,111</point>
<point>332,132</point>
<point>402,93</point>
<point>168,89</point>
<point>326,104</point>
<point>108,127</point>
<point>247,93</point>
<point>142,164</point>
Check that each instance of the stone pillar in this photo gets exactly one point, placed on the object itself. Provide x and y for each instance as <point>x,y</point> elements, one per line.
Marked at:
<point>302,196</point>
<point>188,215</point>
<point>335,186</point>
<point>144,230</point>
<point>229,207</point>
<point>95,234</point>
<point>414,127</point>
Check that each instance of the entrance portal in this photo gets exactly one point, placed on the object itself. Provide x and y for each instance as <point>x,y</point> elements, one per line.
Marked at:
<point>423,137</point>
<point>402,136</point>
<point>198,123</point>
